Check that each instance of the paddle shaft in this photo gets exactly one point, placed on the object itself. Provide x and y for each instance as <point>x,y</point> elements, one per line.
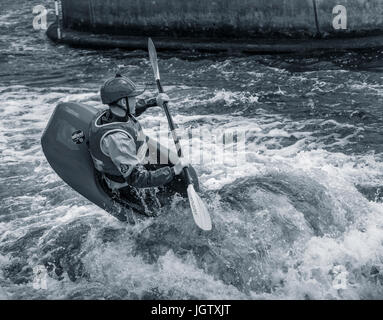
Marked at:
<point>174,134</point>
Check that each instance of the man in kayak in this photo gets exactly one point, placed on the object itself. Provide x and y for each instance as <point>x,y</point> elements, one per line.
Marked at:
<point>118,147</point>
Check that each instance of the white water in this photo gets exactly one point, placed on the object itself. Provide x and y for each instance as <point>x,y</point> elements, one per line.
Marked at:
<point>302,218</point>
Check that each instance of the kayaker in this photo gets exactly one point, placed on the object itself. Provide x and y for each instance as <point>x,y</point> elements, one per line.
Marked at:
<point>118,147</point>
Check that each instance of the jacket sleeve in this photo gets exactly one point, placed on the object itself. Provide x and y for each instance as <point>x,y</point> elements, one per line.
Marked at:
<point>122,150</point>
<point>143,104</point>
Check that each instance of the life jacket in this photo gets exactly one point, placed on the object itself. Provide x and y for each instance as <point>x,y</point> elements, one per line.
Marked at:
<point>98,131</point>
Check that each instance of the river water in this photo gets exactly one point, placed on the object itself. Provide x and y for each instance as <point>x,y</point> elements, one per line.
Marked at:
<point>302,218</point>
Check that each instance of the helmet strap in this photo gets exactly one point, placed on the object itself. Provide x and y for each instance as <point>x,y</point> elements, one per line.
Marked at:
<point>131,103</point>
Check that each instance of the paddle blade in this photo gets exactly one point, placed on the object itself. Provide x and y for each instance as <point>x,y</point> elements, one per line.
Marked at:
<point>153,58</point>
<point>200,214</point>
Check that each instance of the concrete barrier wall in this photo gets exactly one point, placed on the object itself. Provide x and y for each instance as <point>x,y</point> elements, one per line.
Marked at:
<point>219,18</point>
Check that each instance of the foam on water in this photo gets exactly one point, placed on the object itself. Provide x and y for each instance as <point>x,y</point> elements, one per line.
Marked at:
<point>303,257</point>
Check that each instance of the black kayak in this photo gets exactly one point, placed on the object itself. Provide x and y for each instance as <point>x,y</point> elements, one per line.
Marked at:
<point>64,143</point>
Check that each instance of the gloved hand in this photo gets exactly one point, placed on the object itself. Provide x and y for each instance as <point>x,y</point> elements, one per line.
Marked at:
<point>182,163</point>
<point>161,99</point>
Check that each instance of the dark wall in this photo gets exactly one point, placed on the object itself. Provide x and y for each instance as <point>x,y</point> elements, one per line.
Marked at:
<point>222,18</point>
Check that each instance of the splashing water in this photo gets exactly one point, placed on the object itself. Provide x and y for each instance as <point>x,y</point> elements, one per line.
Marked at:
<point>302,218</point>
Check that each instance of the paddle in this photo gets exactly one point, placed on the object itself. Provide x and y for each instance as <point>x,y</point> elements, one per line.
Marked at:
<point>200,214</point>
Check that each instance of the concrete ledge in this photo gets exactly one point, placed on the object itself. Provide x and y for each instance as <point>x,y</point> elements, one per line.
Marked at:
<point>100,41</point>
<point>221,19</point>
